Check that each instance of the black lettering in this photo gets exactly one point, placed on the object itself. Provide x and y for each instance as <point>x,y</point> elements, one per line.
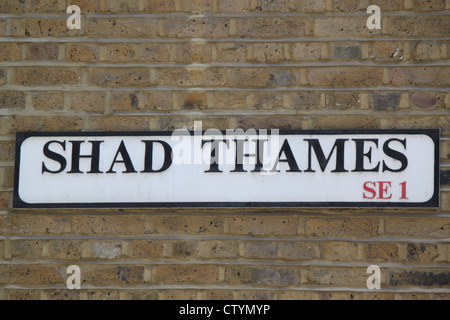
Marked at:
<point>94,156</point>
<point>290,159</point>
<point>394,154</point>
<point>239,164</point>
<point>54,156</point>
<point>214,166</point>
<point>168,155</point>
<point>339,145</point>
<point>126,160</point>
<point>360,155</point>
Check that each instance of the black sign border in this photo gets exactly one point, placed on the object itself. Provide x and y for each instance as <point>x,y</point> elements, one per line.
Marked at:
<point>434,134</point>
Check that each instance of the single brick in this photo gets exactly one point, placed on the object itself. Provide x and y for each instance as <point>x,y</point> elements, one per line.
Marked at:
<point>306,100</point>
<point>416,26</point>
<point>270,27</point>
<point>385,101</point>
<point>263,77</point>
<point>266,100</point>
<point>83,52</point>
<point>194,52</point>
<point>70,250</point>
<point>12,100</point>
<point>196,6</point>
<point>154,52</point>
<point>263,276</point>
<point>122,28</point>
<point>12,7</point>
<point>344,77</point>
<point>10,52</point>
<point>230,100</point>
<point>119,5</point>
<point>428,100</point>
<point>7,150</point>
<point>337,277</point>
<point>192,77</point>
<point>26,249</point>
<point>268,52</point>
<point>119,52</point>
<point>48,100</point>
<point>428,5</point>
<point>343,27</point>
<point>43,51</point>
<point>231,52</point>
<point>112,275</point>
<point>233,6</point>
<point>143,249</point>
<point>339,251</point>
<point>185,249</point>
<point>428,51</point>
<point>125,101</point>
<point>382,252</point>
<point>343,100</point>
<point>270,122</point>
<point>307,51</point>
<point>186,274</point>
<point>158,6</point>
<point>417,227</point>
<point>388,51</point>
<point>48,124</point>
<point>195,100</point>
<point>262,225</point>
<point>220,249</point>
<point>37,225</point>
<point>342,227</point>
<point>197,27</point>
<point>88,101</point>
<point>260,250</point>
<point>298,251</point>
<point>155,100</point>
<point>105,249</point>
<point>104,225</point>
<point>445,177</point>
<point>46,76</point>
<point>435,278</point>
<point>422,252</point>
<point>120,77</point>
<point>346,51</point>
<point>40,28</point>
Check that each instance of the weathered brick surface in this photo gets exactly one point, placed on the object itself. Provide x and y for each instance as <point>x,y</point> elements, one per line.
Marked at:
<point>284,64</point>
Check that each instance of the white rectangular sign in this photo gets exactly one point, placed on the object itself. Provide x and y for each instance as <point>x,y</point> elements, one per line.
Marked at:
<point>233,168</point>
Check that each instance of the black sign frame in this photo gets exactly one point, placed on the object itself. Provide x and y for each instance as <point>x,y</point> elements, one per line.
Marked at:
<point>434,134</point>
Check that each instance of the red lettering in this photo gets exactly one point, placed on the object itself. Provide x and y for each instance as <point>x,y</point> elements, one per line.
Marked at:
<point>384,190</point>
<point>403,184</point>
<point>372,191</point>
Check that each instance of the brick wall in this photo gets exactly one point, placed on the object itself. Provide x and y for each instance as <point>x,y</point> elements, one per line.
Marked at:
<point>142,65</point>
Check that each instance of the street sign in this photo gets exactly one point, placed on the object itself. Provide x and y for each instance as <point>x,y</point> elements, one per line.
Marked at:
<point>233,168</point>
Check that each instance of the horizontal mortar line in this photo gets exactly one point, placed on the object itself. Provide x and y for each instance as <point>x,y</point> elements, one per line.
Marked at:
<point>160,287</point>
<point>76,39</point>
<point>222,237</point>
<point>225,263</point>
<point>324,112</point>
<point>83,87</point>
<point>26,63</point>
<point>233,212</point>
<point>226,15</point>
<point>7,163</point>
<point>225,112</point>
